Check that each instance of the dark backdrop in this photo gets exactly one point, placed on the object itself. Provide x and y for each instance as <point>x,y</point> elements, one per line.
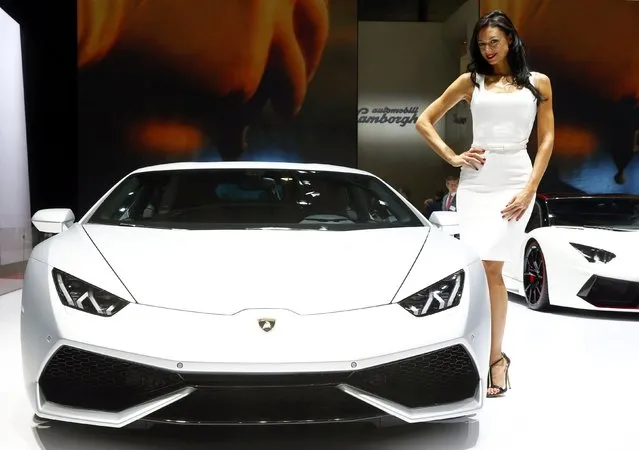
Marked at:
<point>596,111</point>
<point>196,80</point>
<point>588,48</point>
<point>100,104</point>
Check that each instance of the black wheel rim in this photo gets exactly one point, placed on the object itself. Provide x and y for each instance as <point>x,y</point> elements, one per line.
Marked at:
<point>534,274</point>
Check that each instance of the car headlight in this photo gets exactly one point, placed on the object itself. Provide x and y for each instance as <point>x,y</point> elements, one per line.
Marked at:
<point>83,296</point>
<point>593,254</point>
<point>443,295</point>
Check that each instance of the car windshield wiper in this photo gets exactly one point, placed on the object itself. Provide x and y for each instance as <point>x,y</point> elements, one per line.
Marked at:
<point>319,218</point>
<point>130,224</point>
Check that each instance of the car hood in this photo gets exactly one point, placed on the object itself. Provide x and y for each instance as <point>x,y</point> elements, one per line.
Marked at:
<point>617,240</point>
<point>227,271</point>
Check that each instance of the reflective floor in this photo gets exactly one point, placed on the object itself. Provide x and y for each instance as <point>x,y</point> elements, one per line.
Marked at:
<point>11,278</point>
<point>575,385</point>
<point>9,285</point>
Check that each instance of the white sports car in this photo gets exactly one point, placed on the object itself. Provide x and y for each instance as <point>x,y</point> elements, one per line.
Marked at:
<point>252,293</point>
<point>579,251</point>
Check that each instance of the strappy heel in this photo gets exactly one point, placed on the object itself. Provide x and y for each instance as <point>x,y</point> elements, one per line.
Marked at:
<point>491,385</point>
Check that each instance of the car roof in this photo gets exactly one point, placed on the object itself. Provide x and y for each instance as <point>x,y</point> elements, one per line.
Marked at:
<point>251,165</point>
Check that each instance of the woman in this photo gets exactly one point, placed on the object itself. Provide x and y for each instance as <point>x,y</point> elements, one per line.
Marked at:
<point>497,182</point>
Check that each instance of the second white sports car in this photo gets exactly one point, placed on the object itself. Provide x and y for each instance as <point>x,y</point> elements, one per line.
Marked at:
<point>580,251</point>
<point>252,293</point>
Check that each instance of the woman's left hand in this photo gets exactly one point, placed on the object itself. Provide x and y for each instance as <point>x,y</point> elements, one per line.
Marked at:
<point>518,205</point>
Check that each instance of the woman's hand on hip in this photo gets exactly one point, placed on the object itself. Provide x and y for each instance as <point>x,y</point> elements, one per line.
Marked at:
<point>518,205</point>
<point>472,158</point>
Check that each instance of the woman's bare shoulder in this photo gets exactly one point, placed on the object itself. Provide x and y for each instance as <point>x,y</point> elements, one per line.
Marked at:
<point>540,78</point>
<point>464,85</point>
<point>465,80</point>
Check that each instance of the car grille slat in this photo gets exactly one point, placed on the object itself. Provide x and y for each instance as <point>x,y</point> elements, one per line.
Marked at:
<point>271,404</point>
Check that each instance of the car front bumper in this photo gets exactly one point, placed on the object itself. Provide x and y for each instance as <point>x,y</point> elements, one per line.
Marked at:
<point>612,287</point>
<point>171,366</point>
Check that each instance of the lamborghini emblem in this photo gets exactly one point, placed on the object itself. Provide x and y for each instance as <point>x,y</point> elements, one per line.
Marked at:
<point>266,324</point>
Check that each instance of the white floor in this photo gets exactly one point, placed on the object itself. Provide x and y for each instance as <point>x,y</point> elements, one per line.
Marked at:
<point>575,385</point>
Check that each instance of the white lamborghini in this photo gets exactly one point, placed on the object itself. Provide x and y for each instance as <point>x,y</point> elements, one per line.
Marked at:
<point>580,251</point>
<point>252,293</point>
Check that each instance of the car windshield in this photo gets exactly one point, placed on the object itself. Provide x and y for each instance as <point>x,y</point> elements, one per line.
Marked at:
<point>241,199</point>
<point>607,212</point>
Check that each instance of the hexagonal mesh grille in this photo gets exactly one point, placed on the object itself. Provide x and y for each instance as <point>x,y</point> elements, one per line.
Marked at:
<point>443,376</point>
<point>82,379</point>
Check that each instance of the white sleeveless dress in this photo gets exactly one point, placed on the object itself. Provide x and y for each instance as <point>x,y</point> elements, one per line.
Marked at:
<point>502,123</point>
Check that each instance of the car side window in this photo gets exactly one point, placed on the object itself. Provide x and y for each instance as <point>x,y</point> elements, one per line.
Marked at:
<point>535,218</point>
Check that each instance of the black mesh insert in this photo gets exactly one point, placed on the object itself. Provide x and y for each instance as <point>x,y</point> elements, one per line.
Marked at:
<point>610,293</point>
<point>82,379</point>
<point>443,376</point>
<point>246,380</point>
<point>273,404</point>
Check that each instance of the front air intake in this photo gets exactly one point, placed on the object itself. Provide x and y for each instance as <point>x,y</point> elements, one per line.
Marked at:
<point>443,376</point>
<point>82,379</point>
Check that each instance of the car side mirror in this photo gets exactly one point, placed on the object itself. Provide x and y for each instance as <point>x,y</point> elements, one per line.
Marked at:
<point>444,218</point>
<point>446,221</point>
<point>53,220</point>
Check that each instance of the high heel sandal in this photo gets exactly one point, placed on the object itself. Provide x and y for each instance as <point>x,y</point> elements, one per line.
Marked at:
<point>491,385</point>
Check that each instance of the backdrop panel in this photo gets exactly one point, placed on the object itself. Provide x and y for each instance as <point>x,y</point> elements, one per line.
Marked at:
<point>15,208</point>
<point>589,50</point>
<point>194,80</point>
<point>403,67</point>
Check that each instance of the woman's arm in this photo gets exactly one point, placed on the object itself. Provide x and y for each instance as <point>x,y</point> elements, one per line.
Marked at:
<point>545,132</point>
<point>460,89</point>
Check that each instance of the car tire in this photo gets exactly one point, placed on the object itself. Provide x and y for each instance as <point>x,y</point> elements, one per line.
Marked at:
<point>535,278</point>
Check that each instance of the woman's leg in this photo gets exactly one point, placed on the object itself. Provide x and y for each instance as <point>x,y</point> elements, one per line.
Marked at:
<point>499,308</point>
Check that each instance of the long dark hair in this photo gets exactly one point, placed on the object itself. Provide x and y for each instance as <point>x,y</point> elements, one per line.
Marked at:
<point>516,53</point>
